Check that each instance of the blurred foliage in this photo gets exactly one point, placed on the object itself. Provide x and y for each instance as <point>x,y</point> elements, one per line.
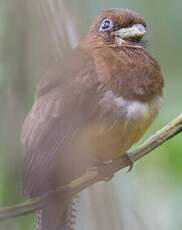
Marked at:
<point>26,49</point>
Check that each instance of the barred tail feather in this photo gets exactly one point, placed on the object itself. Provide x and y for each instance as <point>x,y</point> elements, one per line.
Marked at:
<point>57,215</point>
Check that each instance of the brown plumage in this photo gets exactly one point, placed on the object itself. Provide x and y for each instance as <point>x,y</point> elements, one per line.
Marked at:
<point>93,106</point>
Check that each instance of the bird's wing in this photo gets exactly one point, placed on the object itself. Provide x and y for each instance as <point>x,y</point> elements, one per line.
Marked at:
<point>62,105</point>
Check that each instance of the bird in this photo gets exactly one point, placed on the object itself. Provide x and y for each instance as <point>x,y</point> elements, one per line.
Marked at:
<point>90,107</point>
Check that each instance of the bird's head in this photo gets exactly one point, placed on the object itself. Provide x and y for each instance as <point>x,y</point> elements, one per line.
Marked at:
<point>117,27</point>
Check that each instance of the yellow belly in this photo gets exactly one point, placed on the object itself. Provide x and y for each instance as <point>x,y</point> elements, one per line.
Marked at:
<point>102,142</point>
<point>112,136</point>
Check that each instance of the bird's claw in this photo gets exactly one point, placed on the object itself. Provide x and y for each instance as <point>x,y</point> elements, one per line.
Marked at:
<point>129,161</point>
<point>105,170</point>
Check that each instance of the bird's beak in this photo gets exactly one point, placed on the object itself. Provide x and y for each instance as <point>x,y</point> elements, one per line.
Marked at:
<point>136,31</point>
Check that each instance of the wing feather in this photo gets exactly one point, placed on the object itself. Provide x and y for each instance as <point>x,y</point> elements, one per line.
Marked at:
<point>59,110</point>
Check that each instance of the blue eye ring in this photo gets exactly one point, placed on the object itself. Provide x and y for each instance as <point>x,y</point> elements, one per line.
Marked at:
<point>106,25</point>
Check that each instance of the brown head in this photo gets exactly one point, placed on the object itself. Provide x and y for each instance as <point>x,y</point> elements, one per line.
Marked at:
<point>115,40</point>
<point>117,27</point>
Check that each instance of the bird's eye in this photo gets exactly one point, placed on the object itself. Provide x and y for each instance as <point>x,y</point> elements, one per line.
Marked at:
<point>106,25</point>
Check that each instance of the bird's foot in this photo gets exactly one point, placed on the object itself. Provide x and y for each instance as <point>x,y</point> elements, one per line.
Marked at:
<point>129,161</point>
<point>105,169</point>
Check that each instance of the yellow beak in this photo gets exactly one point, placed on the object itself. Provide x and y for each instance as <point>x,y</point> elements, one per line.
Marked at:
<point>136,31</point>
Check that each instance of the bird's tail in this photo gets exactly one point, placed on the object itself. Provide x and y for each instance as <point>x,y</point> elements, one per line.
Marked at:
<point>58,214</point>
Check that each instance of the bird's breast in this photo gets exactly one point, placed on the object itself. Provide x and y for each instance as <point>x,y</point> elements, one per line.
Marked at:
<point>130,110</point>
<point>119,125</point>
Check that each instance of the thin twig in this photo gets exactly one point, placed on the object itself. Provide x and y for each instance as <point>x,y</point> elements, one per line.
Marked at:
<point>92,176</point>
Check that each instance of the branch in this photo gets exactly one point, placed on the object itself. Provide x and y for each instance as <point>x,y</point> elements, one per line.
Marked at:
<point>92,176</point>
